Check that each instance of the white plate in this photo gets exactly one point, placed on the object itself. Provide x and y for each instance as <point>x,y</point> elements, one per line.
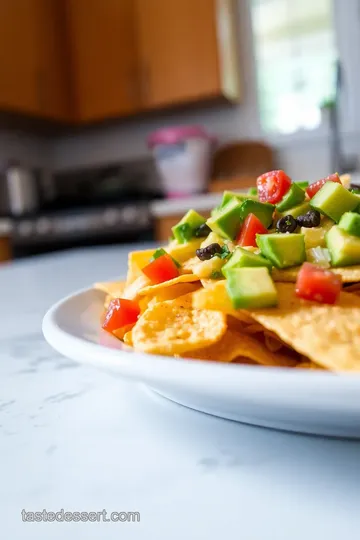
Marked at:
<point>295,400</point>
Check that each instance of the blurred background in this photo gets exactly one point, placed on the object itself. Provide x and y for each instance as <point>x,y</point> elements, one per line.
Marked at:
<point>116,116</point>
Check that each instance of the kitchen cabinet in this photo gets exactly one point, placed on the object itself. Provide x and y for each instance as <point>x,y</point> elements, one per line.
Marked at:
<point>104,60</point>
<point>187,51</point>
<point>32,79</point>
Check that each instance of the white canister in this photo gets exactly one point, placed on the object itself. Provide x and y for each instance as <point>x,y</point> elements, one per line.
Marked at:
<point>182,155</point>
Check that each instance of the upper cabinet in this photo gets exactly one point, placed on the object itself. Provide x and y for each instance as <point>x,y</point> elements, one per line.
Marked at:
<point>33,79</point>
<point>104,59</point>
<point>187,51</point>
<point>83,61</point>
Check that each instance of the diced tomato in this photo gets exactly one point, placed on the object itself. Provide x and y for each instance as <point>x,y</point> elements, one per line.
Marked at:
<point>318,284</point>
<point>272,186</point>
<point>314,188</point>
<point>121,312</point>
<point>249,229</point>
<point>161,269</point>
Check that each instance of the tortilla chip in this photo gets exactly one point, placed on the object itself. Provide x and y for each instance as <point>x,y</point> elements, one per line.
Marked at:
<point>308,364</point>
<point>120,332</point>
<point>216,297</point>
<point>136,261</point>
<point>114,289</point>
<point>128,338</point>
<point>348,274</point>
<point>166,328</point>
<point>170,293</point>
<point>233,345</point>
<point>133,290</point>
<point>327,335</point>
<point>154,289</point>
<point>354,287</point>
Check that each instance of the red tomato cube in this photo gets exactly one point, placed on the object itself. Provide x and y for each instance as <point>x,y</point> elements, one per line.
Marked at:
<point>318,284</point>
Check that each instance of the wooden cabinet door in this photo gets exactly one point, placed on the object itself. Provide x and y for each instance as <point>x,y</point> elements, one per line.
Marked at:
<point>54,75</point>
<point>181,49</point>
<point>20,69</point>
<point>104,57</point>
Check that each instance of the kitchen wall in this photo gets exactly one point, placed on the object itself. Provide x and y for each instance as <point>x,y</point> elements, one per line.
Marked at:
<point>303,157</point>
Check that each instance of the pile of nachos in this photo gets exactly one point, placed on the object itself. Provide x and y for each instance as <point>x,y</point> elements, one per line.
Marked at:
<point>271,278</point>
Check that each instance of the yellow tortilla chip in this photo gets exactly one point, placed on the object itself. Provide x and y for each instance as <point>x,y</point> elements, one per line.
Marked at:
<point>120,332</point>
<point>170,293</point>
<point>327,335</point>
<point>308,364</point>
<point>348,274</point>
<point>133,290</point>
<point>216,297</point>
<point>136,261</point>
<point>233,345</point>
<point>154,289</point>
<point>128,338</point>
<point>115,289</point>
<point>168,329</point>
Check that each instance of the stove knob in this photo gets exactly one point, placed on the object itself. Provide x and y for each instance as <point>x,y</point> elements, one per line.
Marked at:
<point>43,226</point>
<point>25,228</point>
<point>111,216</point>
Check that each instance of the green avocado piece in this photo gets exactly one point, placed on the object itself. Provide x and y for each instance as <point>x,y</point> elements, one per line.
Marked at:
<point>227,221</point>
<point>282,249</point>
<point>229,195</point>
<point>344,248</point>
<point>253,191</point>
<point>297,211</point>
<point>302,185</point>
<point>350,223</point>
<point>295,196</point>
<point>263,211</point>
<point>242,257</point>
<point>251,288</point>
<point>333,200</point>
<point>184,230</point>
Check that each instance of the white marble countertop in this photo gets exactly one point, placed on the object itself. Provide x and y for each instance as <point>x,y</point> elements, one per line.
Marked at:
<point>79,439</point>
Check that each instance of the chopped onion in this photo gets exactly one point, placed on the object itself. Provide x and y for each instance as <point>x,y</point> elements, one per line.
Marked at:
<point>319,256</point>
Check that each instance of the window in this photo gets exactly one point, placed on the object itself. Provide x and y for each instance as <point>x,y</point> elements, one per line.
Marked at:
<point>295,61</point>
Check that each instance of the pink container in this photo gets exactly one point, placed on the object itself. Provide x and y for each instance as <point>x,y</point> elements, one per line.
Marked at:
<point>182,156</point>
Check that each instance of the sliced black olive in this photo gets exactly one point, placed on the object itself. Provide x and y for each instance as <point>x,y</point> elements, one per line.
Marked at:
<point>202,231</point>
<point>208,252</point>
<point>311,219</point>
<point>286,224</point>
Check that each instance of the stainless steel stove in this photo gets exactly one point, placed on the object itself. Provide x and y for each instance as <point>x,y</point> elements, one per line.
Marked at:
<point>109,224</point>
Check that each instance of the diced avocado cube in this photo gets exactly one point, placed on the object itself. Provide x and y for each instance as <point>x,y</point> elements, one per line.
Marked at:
<point>344,248</point>
<point>263,211</point>
<point>295,196</point>
<point>252,191</point>
<point>227,221</point>
<point>184,230</point>
<point>282,249</point>
<point>296,211</point>
<point>350,223</point>
<point>251,288</point>
<point>242,258</point>
<point>230,195</point>
<point>333,200</point>
<point>302,185</point>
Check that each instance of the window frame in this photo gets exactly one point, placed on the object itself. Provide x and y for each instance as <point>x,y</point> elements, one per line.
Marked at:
<point>347,38</point>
